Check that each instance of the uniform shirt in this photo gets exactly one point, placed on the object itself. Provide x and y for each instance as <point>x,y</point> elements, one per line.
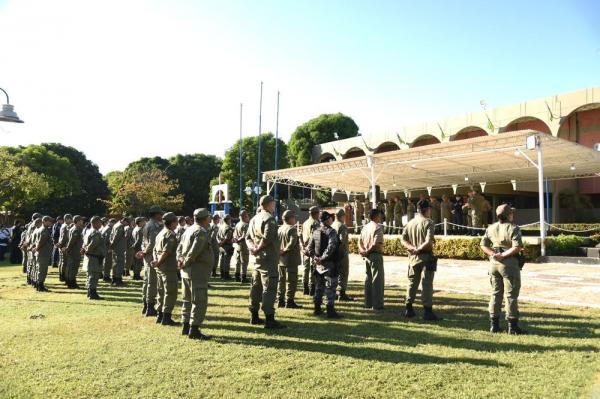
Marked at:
<point>308,227</point>
<point>166,241</point>
<point>371,234</point>
<point>129,241</point>
<point>212,233</point>
<point>502,235</point>
<point>225,236</point>
<point>410,210</point>
<point>330,252</point>
<point>75,240</point>
<point>342,231</point>
<point>56,232</point>
<point>195,251</point>
<point>262,231</point>
<point>476,204</point>
<point>24,234</point>
<point>118,242</point>
<point>435,212</point>
<point>106,232</point>
<point>289,244</point>
<point>63,238</point>
<point>446,210</point>
<point>42,237</point>
<point>136,234</point>
<point>389,212</point>
<point>93,243</point>
<point>359,212</point>
<point>29,236</point>
<point>239,235</point>
<point>417,231</point>
<point>179,232</point>
<point>149,233</point>
<point>399,210</point>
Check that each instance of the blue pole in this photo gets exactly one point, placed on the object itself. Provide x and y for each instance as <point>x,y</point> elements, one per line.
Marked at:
<point>241,166</point>
<point>259,142</point>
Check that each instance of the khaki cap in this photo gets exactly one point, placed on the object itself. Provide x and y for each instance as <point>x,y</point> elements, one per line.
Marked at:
<point>504,210</point>
<point>201,213</point>
<point>266,199</point>
<point>169,217</point>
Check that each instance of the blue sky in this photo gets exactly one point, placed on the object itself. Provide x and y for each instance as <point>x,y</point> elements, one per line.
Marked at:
<point>125,79</point>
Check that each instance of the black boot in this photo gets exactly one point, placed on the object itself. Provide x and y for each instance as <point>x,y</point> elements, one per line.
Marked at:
<point>113,282</point>
<point>514,329</point>
<point>344,297</point>
<point>225,276</point>
<point>168,321</point>
<point>306,290</point>
<point>311,292</point>
<point>159,317</point>
<point>254,319</point>
<point>495,325</point>
<point>244,279</point>
<point>186,329</point>
<point>281,303</point>
<point>150,311</point>
<point>106,279</point>
<point>144,308</point>
<point>94,295</point>
<point>290,304</point>
<point>317,311</point>
<point>28,280</point>
<point>42,288</point>
<point>61,277</point>
<point>409,311</point>
<point>332,314</point>
<point>237,277</point>
<point>137,277</point>
<point>196,334</point>
<point>272,324</point>
<point>429,315</point>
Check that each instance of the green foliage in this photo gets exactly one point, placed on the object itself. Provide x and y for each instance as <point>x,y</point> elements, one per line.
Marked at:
<point>20,187</point>
<point>230,170</point>
<point>316,131</point>
<point>565,245</point>
<point>194,173</point>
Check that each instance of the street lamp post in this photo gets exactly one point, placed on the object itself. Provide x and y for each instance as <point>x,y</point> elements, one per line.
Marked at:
<point>8,113</point>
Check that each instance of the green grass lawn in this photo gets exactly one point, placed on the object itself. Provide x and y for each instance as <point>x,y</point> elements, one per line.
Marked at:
<point>59,344</point>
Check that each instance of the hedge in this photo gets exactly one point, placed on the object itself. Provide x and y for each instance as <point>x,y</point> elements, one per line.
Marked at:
<point>468,248</point>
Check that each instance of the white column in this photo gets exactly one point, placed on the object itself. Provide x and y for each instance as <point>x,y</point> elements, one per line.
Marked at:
<point>540,165</point>
<point>371,164</point>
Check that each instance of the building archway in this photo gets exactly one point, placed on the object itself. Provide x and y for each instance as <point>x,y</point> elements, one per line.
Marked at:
<point>386,147</point>
<point>327,157</point>
<point>426,139</point>
<point>468,132</point>
<point>353,152</point>
<point>525,123</point>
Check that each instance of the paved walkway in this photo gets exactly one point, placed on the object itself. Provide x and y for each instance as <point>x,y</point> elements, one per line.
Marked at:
<point>554,283</point>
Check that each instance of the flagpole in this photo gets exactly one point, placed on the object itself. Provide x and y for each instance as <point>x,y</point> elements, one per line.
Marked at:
<point>241,159</point>
<point>276,156</point>
<point>259,146</point>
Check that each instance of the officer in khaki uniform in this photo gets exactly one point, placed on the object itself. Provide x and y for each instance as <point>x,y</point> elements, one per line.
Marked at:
<point>73,251</point>
<point>410,209</point>
<point>241,254</point>
<point>370,247</point>
<point>28,247</point>
<point>476,205</point>
<point>165,264</point>
<point>359,213</point>
<point>214,231</point>
<point>343,262</point>
<point>93,250</point>
<point>502,242</point>
<point>149,233</point>
<point>446,211</point>
<point>136,234</point>
<point>195,259</point>
<point>399,211</point>
<point>309,225</point>
<point>288,261</point>
<point>225,240</point>
<point>418,238</point>
<point>436,212</point>
<point>263,244</point>
<point>389,216</point>
<point>129,246</point>
<point>107,265</point>
<point>118,247</point>
<point>62,243</point>
<point>23,244</point>
<point>43,247</point>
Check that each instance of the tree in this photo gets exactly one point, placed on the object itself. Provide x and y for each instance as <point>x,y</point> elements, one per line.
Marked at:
<point>20,187</point>
<point>194,173</point>
<point>231,163</point>
<point>93,190</point>
<point>141,189</point>
<point>316,131</point>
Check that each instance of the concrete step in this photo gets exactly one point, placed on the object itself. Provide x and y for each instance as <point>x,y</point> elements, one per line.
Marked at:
<point>589,252</point>
<point>581,260</point>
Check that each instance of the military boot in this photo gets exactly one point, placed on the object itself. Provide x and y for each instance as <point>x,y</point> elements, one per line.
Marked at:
<point>272,324</point>
<point>150,310</point>
<point>306,289</point>
<point>495,325</point>
<point>42,288</point>
<point>244,279</point>
<point>291,304</point>
<point>429,315</point>
<point>28,280</point>
<point>186,329</point>
<point>254,319</point>
<point>94,295</point>
<point>332,314</point>
<point>168,321</point>
<point>238,278</point>
<point>74,284</point>
<point>311,291</point>
<point>196,334</point>
<point>513,327</point>
<point>106,279</point>
<point>317,311</point>
<point>409,311</point>
<point>344,297</point>
<point>119,282</point>
<point>159,317</point>
<point>144,308</point>
<point>61,277</point>
<point>281,303</point>
<point>137,277</point>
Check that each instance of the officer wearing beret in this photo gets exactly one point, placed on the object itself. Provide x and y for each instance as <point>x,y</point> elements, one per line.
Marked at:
<point>93,250</point>
<point>241,254</point>
<point>263,244</point>
<point>165,264</point>
<point>73,251</point>
<point>195,259</point>
<point>308,227</point>
<point>418,239</point>
<point>370,246</point>
<point>149,233</point>
<point>502,242</point>
<point>344,262</point>
<point>289,260</point>
<point>43,246</point>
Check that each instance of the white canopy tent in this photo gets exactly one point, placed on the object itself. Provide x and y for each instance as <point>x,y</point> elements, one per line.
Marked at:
<point>499,159</point>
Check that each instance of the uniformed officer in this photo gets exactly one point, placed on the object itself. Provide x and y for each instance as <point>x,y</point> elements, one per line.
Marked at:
<point>359,212</point>
<point>323,247</point>
<point>436,213</point>
<point>309,225</point>
<point>73,251</point>
<point>214,230</point>
<point>93,250</point>
<point>23,246</point>
<point>289,261</point>
<point>418,238</point>
<point>225,240</point>
<point>475,204</point>
<point>389,216</point>
<point>241,254</point>
<point>55,237</point>
<point>195,259</point>
<point>29,247</point>
<point>399,211</point>
<point>502,242</point>
<point>343,262</point>
<point>180,228</point>
<point>62,243</point>
<point>446,209</point>
<point>149,233</point>
<point>138,264</point>
<point>118,246</point>
<point>263,244</point>
<point>106,232</point>
<point>165,264</point>
<point>129,251</point>
<point>410,209</point>
<point>370,247</point>
<point>43,248</point>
